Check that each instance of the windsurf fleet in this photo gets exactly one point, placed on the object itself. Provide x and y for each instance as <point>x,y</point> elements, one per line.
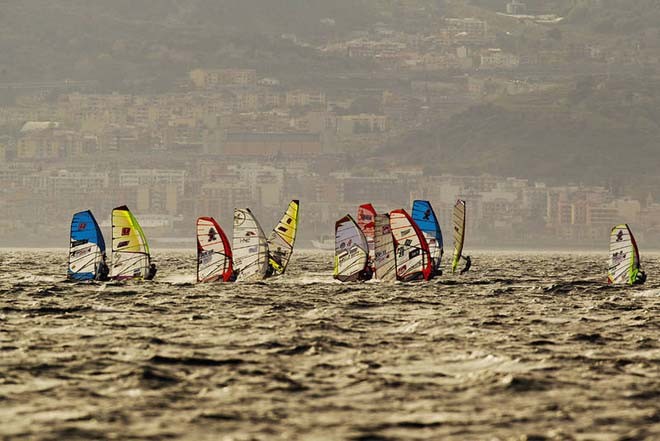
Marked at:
<point>250,257</point>
<point>130,251</point>
<point>395,245</point>
<point>390,246</point>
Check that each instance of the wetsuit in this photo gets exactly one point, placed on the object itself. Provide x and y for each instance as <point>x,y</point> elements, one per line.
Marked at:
<point>151,273</point>
<point>102,272</point>
<point>468,264</point>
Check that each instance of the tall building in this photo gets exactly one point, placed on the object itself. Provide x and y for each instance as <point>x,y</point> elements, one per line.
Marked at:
<point>516,7</point>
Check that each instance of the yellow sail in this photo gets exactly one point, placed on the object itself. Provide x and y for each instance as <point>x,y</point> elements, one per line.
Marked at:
<point>282,239</point>
<point>130,250</point>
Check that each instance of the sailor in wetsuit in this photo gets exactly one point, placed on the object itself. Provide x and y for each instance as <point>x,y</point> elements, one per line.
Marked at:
<point>640,278</point>
<point>468,264</point>
<point>367,273</point>
<point>151,273</point>
<point>102,272</point>
<point>275,263</point>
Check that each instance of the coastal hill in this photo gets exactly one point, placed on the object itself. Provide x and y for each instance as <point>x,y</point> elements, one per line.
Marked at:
<point>592,125</point>
<point>591,131</point>
<point>150,43</point>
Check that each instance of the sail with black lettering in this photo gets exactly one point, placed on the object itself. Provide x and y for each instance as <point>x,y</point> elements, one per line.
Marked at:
<point>351,251</point>
<point>413,259</point>
<point>426,220</point>
<point>458,222</point>
<point>130,250</point>
<point>624,256</point>
<point>365,220</point>
<point>384,260</point>
<point>282,239</point>
<point>249,247</point>
<point>214,256</point>
<point>87,247</point>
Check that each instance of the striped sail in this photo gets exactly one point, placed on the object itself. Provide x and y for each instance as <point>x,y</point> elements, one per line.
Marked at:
<point>365,220</point>
<point>249,247</point>
<point>130,250</point>
<point>413,260</point>
<point>426,220</point>
<point>351,251</point>
<point>87,247</point>
<point>282,239</point>
<point>214,256</point>
<point>624,256</point>
<point>458,221</point>
<point>384,261</point>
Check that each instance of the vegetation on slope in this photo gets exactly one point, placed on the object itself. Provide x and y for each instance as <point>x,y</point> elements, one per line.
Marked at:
<point>591,132</point>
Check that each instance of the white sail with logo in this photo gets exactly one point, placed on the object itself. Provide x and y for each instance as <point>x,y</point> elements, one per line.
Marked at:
<point>130,250</point>
<point>384,253</point>
<point>458,221</point>
<point>624,256</point>
<point>351,251</point>
<point>413,258</point>
<point>249,246</point>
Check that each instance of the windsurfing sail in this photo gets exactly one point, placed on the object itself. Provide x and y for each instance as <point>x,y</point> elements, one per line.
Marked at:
<point>384,261</point>
<point>282,239</point>
<point>130,250</point>
<point>624,256</point>
<point>250,247</point>
<point>458,220</point>
<point>426,220</point>
<point>351,251</point>
<point>365,220</point>
<point>214,257</point>
<point>413,259</point>
<point>87,247</point>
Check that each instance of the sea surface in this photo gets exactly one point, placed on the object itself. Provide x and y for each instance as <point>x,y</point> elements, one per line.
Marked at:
<point>525,347</point>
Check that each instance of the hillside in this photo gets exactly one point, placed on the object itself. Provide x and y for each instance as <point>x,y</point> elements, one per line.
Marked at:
<point>614,17</point>
<point>589,132</point>
<point>150,43</point>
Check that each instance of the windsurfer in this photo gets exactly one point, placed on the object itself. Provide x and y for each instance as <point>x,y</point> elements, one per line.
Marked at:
<point>103,271</point>
<point>468,264</point>
<point>275,262</point>
<point>367,273</point>
<point>151,273</point>
<point>640,278</point>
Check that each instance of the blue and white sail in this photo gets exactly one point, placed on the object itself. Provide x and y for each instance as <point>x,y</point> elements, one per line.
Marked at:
<point>427,221</point>
<point>87,247</point>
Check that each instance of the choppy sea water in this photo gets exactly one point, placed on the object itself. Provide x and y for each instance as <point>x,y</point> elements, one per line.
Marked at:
<point>525,346</point>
